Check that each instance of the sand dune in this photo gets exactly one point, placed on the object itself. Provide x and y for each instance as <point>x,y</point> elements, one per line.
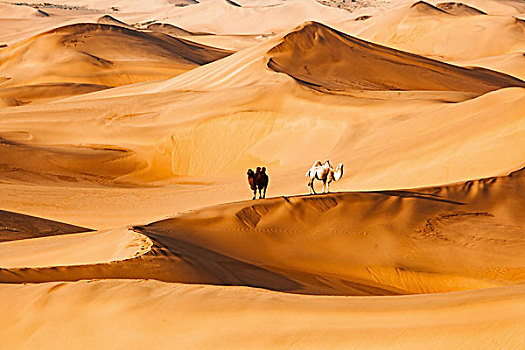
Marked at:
<point>427,30</point>
<point>109,20</point>
<point>352,258</point>
<point>356,64</point>
<point>101,54</point>
<point>12,11</point>
<point>500,8</point>
<point>245,19</point>
<point>422,8</point>
<point>321,245</point>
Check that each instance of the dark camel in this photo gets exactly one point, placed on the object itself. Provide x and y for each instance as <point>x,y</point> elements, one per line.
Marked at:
<point>258,181</point>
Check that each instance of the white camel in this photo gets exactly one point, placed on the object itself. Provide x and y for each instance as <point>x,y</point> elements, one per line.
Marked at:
<point>325,173</point>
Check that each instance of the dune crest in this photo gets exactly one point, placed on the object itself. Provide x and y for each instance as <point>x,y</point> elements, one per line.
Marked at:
<point>459,9</point>
<point>171,29</point>
<point>423,8</point>
<point>109,20</point>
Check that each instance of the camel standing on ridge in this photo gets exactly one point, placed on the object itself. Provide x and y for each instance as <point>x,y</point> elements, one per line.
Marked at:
<point>325,173</point>
<point>261,181</point>
<point>252,182</point>
<point>258,181</point>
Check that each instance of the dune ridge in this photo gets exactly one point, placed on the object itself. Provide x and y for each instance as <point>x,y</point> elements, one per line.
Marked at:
<point>110,20</point>
<point>171,29</point>
<point>422,8</point>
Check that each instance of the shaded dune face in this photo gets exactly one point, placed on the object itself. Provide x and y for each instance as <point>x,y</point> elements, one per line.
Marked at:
<point>101,54</point>
<point>15,226</point>
<point>439,239</point>
<point>324,58</point>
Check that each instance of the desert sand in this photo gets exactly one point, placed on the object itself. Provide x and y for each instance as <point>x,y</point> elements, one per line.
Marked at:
<point>126,130</point>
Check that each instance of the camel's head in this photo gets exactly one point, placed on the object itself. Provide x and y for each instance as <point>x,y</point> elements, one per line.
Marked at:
<point>249,172</point>
<point>263,170</point>
<point>317,163</point>
<point>258,169</point>
<point>326,163</point>
<point>338,172</point>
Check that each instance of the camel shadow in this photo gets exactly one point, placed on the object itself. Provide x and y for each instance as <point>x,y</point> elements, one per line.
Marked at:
<point>418,195</point>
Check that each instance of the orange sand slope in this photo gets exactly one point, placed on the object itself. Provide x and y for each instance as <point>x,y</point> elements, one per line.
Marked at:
<point>369,243</point>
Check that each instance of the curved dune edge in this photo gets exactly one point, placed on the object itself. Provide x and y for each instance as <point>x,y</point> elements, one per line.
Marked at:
<point>70,250</point>
<point>430,240</point>
<point>154,314</point>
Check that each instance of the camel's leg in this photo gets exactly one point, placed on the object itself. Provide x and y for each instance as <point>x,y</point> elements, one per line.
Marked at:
<point>312,186</point>
<point>264,193</point>
<point>324,186</point>
<point>254,194</point>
